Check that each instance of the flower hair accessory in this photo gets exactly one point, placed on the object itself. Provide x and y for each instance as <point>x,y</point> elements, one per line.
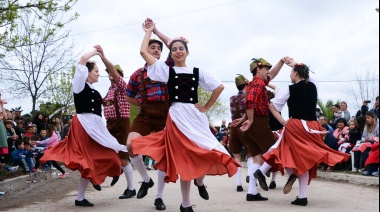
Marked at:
<point>178,38</point>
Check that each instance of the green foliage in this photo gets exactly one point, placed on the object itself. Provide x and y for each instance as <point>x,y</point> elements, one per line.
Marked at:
<point>133,113</point>
<point>11,12</point>
<point>59,89</point>
<point>217,111</point>
<point>326,108</point>
<point>27,69</point>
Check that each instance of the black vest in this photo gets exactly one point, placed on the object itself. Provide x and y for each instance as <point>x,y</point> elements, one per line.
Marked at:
<point>183,87</point>
<point>88,101</point>
<point>302,102</point>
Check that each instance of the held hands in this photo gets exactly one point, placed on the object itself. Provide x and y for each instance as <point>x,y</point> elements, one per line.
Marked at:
<point>148,25</point>
<point>201,108</point>
<point>236,122</point>
<point>99,51</point>
<point>288,61</point>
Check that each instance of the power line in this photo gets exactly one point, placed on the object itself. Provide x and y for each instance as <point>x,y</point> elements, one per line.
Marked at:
<point>162,17</point>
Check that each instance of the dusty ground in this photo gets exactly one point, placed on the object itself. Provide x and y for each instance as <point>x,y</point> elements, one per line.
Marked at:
<point>53,190</point>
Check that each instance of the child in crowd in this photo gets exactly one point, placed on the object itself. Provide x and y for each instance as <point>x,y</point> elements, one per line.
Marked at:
<point>19,158</point>
<point>11,169</point>
<point>29,130</point>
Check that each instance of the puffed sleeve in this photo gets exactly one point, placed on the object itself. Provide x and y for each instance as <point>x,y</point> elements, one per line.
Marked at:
<point>281,96</point>
<point>80,77</point>
<point>207,81</point>
<point>158,71</point>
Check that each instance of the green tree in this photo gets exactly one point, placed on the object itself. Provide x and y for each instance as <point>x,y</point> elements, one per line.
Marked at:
<point>326,108</point>
<point>217,111</point>
<point>59,89</point>
<point>11,11</point>
<point>28,68</point>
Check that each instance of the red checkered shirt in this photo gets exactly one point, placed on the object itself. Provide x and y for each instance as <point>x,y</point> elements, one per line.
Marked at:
<point>108,102</point>
<point>155,91</point>
<point>257,96</point>
<point>237,101</point>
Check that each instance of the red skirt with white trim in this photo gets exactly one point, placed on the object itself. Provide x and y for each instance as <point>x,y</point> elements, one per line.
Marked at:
<point>80,152</point>
<point>177,155</point>
<point>303,151</point>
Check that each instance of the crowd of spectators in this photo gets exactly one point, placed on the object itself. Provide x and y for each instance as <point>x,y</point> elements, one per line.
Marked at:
<point>22,142</point>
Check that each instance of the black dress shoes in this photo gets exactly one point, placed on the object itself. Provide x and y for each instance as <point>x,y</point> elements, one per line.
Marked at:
<point>202,190</point>
<point>128,194</point>
<point>97,187</point>
<point>239,188</point>
<point>257,197</point>
<point>298,201</point>
<point>143,191</point>
<point>261,178</point>
<point>188,209</point>
<point>289,183</point>
<point>160,206</point>
<point>272,185</point>
<point>84,203</point>
<point>114,180</point>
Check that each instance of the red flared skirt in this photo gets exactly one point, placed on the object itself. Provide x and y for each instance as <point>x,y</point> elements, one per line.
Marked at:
<point>177,155</point>
<point>303,151</point>
<point>80,152</point>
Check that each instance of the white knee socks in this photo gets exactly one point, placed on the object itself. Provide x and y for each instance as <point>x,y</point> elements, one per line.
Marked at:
<point>161,184</point>
<point>238,177</point>
<point>200,180</point>
<point>304,184</point>
<point>274,175</point>
<point>252,180</point>
<point>185,190</point>
<point>249,165</point>
<point>128,172</point>
<point>265,168</point>
<point>83,182</point>
<point>140,167</point>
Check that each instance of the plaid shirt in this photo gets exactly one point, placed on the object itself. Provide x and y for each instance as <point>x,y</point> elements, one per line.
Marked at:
<point>108,102</point>
<point>237,102</point>
<point>155,91</point>
<point>257,96</point>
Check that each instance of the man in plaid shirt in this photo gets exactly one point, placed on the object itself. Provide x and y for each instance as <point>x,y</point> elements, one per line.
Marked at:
<point>153,99</point>
<point>116,112</point>
<point>256,131</point>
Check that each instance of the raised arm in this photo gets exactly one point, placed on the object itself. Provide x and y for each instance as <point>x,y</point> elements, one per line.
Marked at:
<point>87,56</point>
<point>149,59</point>
<point>274,71</point>
<point>165,39</point>
<point>110,67</point>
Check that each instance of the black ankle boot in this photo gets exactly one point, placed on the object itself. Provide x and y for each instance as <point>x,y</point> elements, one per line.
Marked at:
<point>298,201</point>
<point>188,209</point>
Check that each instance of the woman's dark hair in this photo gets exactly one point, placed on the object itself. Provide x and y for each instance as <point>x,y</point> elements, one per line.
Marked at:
<point>90,65</point>
<point>302,70</point>
<point>49,130</point>
<point>325,126</point>
<point>36,119</point>
<point>26,140</point>
<point>342,120</point>
<point>361,123</point>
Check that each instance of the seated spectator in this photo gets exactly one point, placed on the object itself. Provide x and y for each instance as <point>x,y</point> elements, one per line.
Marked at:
<point>66,128</point>
<point>372,162</point>
<point>19,158</point>
<point>11,169</point>
<point>341,130</point>
<point>337,115</point>
<point>376,107</point>
<point>323,120</point>
<point>329,138</point>
<point>52,140</point>
<point>19,128</point>
<point>29,130</point>
<point>331,142</point>
<point>345,114</point>
<point>11,134</point>
<point>43,135</point>
<point>364,108</point>
<point>371,131</point>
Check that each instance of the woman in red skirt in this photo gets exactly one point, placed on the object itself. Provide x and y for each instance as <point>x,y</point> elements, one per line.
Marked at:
<point>89,147</point>
<point>300,148</point>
